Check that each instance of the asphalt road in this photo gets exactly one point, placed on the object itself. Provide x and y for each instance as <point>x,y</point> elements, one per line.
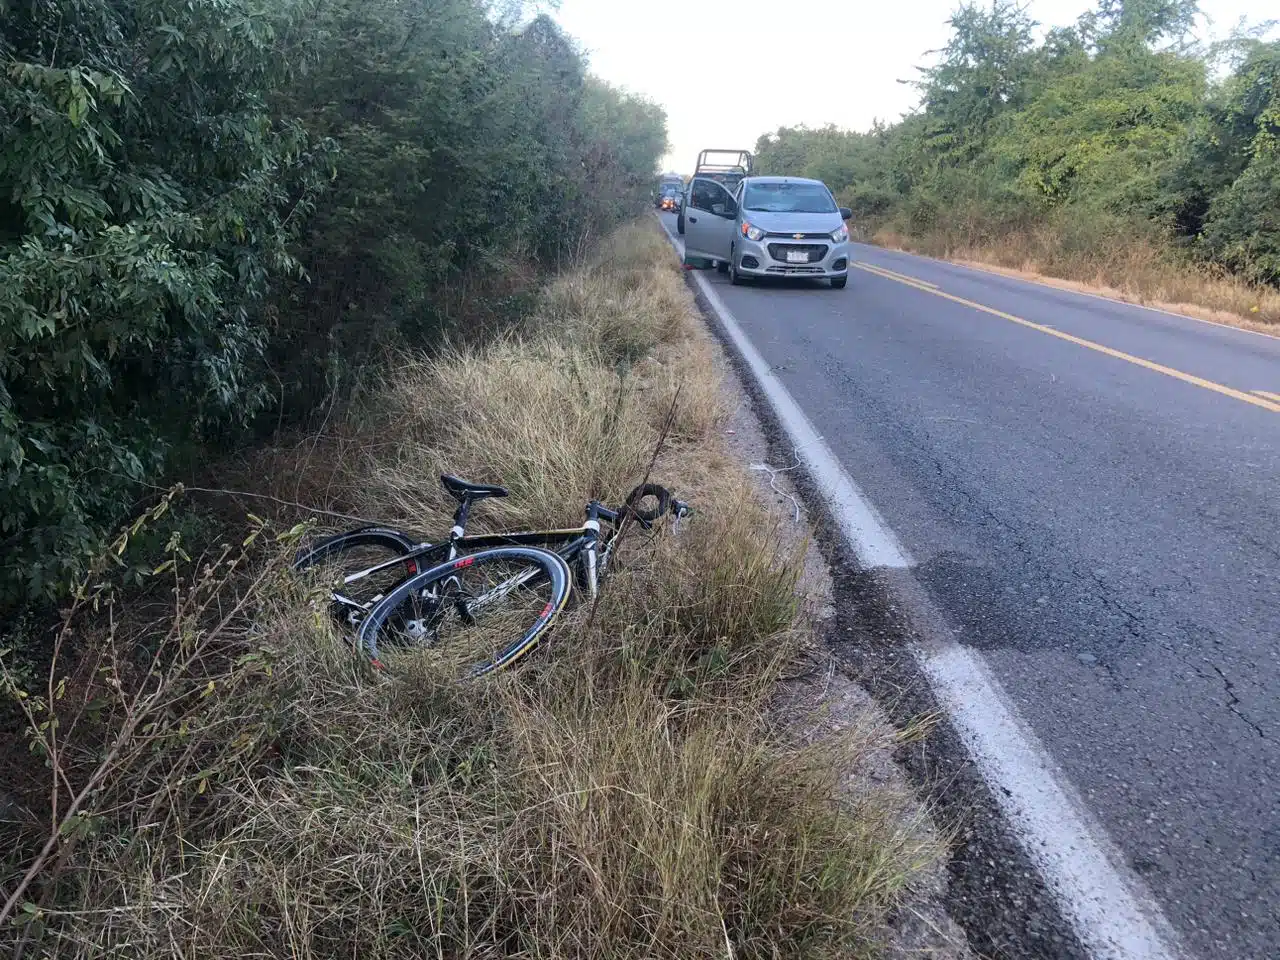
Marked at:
<point>1093,492</point>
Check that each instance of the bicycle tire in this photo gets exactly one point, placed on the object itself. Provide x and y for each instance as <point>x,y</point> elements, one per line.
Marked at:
<point>366,546</point>
<point>431,587</point>
<point>393,540</point>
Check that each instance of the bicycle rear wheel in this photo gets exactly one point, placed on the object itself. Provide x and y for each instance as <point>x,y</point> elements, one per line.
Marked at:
<point>352,565</point>
<point>474,614</point>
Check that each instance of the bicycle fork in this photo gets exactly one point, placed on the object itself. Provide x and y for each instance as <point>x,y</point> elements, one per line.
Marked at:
<point>592,562</point>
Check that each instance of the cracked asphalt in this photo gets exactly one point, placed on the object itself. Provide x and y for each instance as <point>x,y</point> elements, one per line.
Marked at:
<point>1107,534</point>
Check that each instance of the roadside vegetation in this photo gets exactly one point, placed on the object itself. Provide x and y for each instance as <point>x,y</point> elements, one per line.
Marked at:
<point>215,216</point>
<point>1116,152</point>
<point>249,788</point>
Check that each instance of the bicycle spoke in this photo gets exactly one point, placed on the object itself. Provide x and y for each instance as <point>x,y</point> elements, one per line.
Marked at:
<point>475,615</point>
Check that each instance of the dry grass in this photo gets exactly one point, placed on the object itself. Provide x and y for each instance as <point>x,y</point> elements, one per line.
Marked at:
<point>627,793</point>
<point>1136,270</point>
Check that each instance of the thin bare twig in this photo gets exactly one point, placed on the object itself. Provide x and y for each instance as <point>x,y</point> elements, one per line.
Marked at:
<point>663,434</point>
<point>307,508</point>
<point>141,706</point>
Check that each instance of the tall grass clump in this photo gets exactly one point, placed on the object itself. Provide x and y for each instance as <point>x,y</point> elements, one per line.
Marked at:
<point>629,792</point>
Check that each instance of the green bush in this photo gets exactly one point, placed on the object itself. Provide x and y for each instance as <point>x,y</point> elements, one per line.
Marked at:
<point>147,193</point>
<point>210,212</point>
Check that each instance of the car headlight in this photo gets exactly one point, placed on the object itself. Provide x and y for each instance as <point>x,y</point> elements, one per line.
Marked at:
<point>841,235</point>
<point>752,233</point>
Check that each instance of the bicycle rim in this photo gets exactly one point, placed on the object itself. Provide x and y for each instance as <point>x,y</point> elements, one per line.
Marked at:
<point>472,615</point>
<point>345,564</point>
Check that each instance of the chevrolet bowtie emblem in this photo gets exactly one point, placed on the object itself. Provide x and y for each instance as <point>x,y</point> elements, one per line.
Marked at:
<point>797,236</point>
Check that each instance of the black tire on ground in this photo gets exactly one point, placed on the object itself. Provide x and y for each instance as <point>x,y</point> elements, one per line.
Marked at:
<point>735,278</point>
<point>837,283</point>
<point>722,266</point>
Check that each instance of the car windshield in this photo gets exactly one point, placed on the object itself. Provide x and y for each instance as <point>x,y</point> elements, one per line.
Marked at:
<point>788,198</point>
<point>670,189</point>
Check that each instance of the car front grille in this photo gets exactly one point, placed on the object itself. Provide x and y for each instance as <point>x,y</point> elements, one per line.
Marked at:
<point>814,251</point>
<point>802,236</point>
<point>793,270</point>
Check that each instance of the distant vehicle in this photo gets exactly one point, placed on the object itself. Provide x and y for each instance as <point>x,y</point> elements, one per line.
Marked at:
<point>669,196</point>
<point>667,183</point>
<point>723,166</point>
<point>767,227</point>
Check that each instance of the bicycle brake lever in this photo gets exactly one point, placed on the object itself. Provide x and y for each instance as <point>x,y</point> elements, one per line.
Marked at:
<point>680,510</point>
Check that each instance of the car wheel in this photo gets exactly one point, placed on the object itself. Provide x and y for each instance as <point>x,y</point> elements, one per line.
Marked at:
<point>735,278</point>
<point>837,283</point>
<point>680,223</point>
<point>722,267</point>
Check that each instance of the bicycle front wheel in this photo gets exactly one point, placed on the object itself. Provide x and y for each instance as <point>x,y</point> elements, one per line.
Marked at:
<point>474,614</point>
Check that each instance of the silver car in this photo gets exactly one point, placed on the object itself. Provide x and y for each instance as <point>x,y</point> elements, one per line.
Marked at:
<point>767,227</point>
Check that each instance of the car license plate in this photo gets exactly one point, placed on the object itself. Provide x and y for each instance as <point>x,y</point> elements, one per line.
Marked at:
<point>797,256</point>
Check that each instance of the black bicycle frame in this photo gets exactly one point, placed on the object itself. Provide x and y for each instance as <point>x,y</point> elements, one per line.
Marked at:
<point>568,543</point>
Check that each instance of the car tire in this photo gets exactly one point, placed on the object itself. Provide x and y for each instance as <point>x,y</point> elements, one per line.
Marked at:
<point>837,283</point>
<point>680,223</point>
<point>735,278</point>
<point>722,266</point>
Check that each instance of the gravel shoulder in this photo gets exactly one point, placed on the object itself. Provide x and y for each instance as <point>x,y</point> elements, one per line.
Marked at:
<point>825,700</point>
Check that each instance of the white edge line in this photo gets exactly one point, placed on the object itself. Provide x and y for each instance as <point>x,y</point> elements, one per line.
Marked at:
<point>859,522</point>
<point>1110,911</point>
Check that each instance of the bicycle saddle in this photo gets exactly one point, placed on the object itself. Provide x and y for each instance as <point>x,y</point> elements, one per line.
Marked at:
<point>464,490</point>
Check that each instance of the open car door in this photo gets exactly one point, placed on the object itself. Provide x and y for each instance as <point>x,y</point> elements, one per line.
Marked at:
<point>710,217</point>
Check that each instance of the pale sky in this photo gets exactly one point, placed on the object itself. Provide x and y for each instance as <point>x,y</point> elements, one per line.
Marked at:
<point>728,72</point>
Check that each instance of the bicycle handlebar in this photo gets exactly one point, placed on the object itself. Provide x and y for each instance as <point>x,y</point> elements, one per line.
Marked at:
<point>646,517</point>
<point>666,504</point>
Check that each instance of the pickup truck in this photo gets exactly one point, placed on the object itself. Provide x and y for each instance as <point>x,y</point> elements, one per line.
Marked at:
<point>727,167</point>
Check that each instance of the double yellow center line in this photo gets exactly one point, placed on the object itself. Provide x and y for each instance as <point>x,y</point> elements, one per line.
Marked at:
<point>900,277</point>
<point>1259,398</point>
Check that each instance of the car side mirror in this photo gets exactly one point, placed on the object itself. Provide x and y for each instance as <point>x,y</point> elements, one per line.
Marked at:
<point>845,213</point>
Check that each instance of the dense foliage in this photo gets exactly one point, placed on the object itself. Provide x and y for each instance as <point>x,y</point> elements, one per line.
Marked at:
<point>1114,127</point>
<point>208,209</point>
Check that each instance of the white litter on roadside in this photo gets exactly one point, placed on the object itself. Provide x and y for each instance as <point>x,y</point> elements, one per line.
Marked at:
<point>773,483</point>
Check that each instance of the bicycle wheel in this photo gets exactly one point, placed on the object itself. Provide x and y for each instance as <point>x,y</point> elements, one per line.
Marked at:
<point>352,564</point>
<point>474,614</point>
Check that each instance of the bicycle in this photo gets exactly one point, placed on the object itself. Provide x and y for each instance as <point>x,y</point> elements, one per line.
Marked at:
<point>491,588</point>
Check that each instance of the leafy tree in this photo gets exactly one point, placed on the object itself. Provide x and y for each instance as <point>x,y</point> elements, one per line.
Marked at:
<point>980,74</point>
<point>1101,134</point>
<point>464,140</point>
<point>210,210</point>
<point>148,195</point>
<point>1137,24</point>
<point>1242,222</point>
<point>1111,124</point>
